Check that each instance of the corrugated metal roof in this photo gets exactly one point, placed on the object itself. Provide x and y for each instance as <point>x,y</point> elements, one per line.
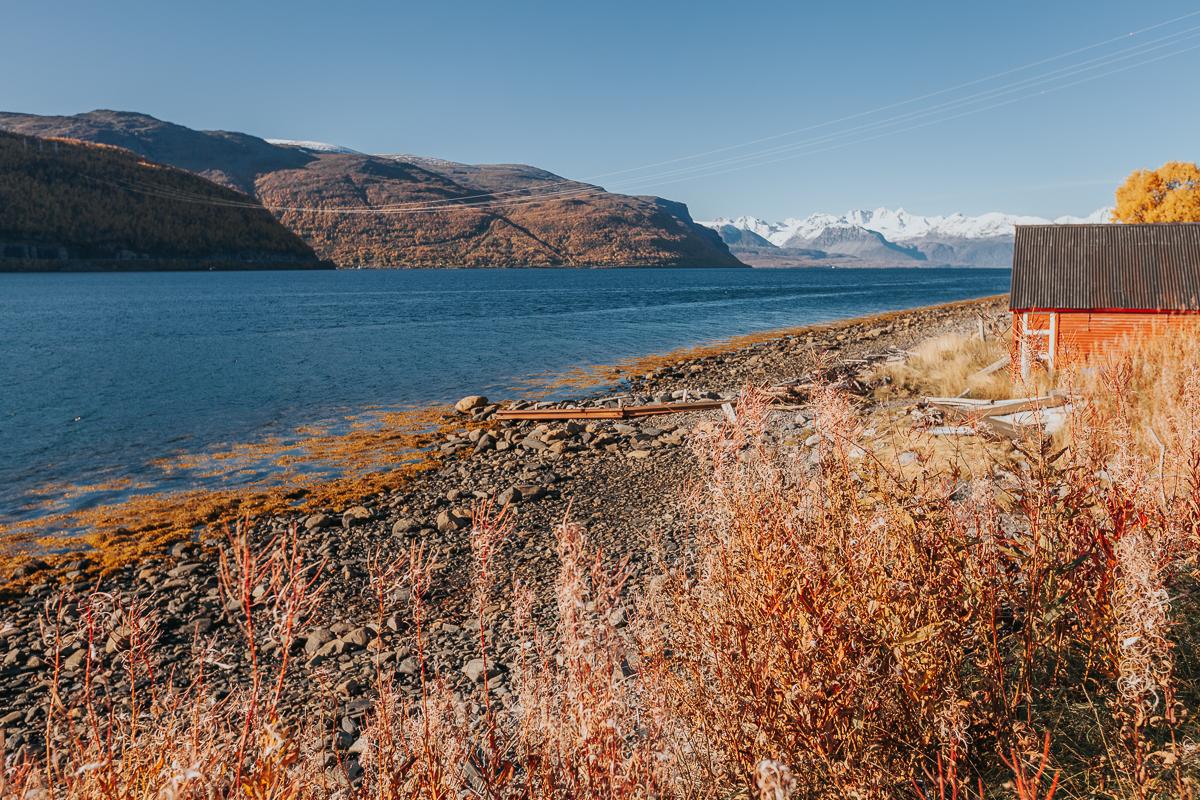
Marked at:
<point>1144,267</point>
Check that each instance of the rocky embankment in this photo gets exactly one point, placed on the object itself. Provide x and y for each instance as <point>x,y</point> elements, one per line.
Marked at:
<point>623,479</point>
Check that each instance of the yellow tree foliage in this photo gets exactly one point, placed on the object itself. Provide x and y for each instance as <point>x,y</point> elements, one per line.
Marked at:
<point>1170,193</point>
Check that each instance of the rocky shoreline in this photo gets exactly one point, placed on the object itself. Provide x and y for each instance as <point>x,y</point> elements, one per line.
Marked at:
<point>622,479</point>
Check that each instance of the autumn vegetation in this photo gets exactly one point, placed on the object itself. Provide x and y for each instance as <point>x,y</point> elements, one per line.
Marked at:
<point>91,202</point>
<point>840,624</point>
<point>377,211</point>
<point>1170,193</point>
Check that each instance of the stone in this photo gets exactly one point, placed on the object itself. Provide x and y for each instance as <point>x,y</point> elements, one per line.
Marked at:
<point>450,520</point>
<point>359,637</point>
<point>28,568</point>
<point>317,639</point>
<point>355,515</point>
<point>529,491</point>
<point>469,403</point>
<point>474,670</point>
<point>316,521</point>
<point>404,525</point>
<point>75,660</point>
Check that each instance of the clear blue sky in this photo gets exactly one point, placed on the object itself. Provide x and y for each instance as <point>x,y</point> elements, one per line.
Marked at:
<point>589,89</point>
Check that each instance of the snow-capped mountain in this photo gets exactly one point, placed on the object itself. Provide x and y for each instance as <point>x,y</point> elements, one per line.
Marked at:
<point>316,147</point>
<point>894,237</point>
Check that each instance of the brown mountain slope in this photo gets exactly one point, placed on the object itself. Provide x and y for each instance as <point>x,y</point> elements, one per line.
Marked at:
<point>231,159</point>
<point>73,205</point>
<point>354,208</point>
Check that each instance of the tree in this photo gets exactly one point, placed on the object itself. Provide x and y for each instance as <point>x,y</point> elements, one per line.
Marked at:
<point>1170,193</point>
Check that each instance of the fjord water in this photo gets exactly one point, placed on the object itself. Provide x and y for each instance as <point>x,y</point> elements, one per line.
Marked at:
<point>103,374</point>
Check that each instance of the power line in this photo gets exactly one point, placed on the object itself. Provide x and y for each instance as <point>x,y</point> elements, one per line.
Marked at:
<point>835,139</point>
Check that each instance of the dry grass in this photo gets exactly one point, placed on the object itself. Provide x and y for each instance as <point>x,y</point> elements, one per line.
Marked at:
<point>591,377</point>
<point>948,366</point>
<point>833,629</point>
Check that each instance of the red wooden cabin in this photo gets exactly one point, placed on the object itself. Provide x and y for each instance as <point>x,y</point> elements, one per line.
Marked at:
<point>1078,288</point>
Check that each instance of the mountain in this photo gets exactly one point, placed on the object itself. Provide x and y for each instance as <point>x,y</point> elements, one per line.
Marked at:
<point>316,147</point>
<point>881,237</point>
<point>402,210</point>
<point>67,205</point>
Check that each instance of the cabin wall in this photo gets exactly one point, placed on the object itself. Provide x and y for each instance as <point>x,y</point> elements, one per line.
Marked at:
<point>1079,334</point>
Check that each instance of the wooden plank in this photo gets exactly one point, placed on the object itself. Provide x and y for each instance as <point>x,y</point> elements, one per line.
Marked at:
<point>995,366</point>
<point>621,412</point>
<point>952,430</point>
<point>964,406</point>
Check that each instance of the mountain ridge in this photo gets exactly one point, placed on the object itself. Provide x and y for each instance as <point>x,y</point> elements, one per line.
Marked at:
<point>58,213</point>
<point>363,210</point>
<point>904,239</point>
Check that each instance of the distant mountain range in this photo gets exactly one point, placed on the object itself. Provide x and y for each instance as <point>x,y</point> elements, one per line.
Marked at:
<point>881,237</point>
<point>361,210</point>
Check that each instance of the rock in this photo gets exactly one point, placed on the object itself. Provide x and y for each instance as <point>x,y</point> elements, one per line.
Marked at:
<point>334,647</point>
<point>181,550</point>
<point>451,520</point>
<point>906,458</point>
<point>528,492</point>
<point>404,525</point>
<point>355,515</point>
<point>317,639</point>
<point>316,521</point>
<point>359,637</point>
<point>469,403</point>
<point>474,669</point>
<point>75,660</point>
<point>28,568</point>
<point>183,570</point>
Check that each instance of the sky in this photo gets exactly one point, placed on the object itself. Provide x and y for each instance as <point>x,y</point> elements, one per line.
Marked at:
<point>773,109</point>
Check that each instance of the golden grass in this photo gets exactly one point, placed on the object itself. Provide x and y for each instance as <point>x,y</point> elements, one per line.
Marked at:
<point>604,374</point>
<point>949,366</point>
<point>833,628</point>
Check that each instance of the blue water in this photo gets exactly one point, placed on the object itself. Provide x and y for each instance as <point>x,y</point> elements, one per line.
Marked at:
<point>102,374</point>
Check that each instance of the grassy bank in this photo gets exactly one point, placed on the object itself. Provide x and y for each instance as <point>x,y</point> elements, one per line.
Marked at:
<point>861,614</point>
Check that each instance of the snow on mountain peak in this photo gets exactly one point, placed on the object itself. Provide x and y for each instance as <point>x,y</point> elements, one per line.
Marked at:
<point>899,225</point>
<point>317,147</point>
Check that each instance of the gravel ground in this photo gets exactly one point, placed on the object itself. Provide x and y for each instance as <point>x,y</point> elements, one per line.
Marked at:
<point>623,480</point>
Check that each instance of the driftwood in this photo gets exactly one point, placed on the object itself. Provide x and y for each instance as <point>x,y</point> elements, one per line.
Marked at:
<point>995,366</point>
<point>968,407</point>
<point>952,430</point>
<point>617,412</point>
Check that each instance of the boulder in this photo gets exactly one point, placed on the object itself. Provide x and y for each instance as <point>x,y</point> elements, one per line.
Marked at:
<point>315,521</point>
<point>316,640</point>
<point>469,403</point>
<point>355,515</point>
<point>474,670</point>
<point>452,519</point>
<point>404,525</point>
